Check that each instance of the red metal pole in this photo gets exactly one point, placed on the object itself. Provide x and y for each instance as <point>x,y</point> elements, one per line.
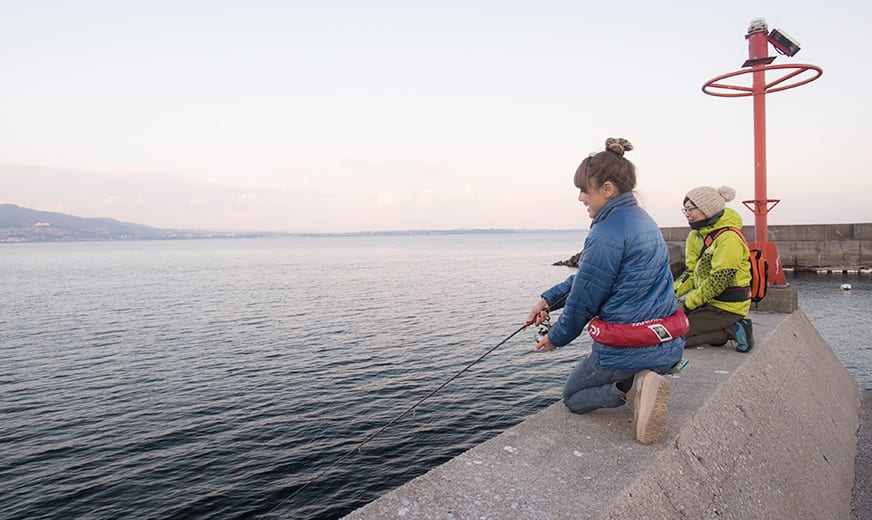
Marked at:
<point>758,63</point>
<point>758,56</point>
<point>758,50</point>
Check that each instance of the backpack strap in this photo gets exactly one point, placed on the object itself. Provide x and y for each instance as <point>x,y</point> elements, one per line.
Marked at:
<point>730,294</point>
<point>707,241</point>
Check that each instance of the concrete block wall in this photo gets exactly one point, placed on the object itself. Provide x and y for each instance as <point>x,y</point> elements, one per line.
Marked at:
<point>804,246</point>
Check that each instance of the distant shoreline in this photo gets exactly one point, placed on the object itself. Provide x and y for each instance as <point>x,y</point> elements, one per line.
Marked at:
<point>28,235</point>
<point>25,225</point>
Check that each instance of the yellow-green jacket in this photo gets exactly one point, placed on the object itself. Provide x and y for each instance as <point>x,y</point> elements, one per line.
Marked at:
<point>724,263</point>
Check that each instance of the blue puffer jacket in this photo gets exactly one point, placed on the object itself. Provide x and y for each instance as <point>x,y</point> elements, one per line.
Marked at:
<point>623,277</point>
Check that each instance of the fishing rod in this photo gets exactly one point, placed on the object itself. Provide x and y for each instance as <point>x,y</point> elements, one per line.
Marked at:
<point>409,409</point>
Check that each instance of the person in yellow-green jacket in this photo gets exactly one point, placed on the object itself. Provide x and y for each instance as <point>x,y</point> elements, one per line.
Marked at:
<point>714,287</point>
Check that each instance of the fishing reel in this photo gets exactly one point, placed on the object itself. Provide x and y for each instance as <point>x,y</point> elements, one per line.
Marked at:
<point>543,329</point>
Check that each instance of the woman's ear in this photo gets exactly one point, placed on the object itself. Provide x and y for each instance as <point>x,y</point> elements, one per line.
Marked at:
<point>608,189</point>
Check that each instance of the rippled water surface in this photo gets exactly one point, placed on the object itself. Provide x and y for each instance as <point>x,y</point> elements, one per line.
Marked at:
<point>842,317</point>
<point>217,378</point>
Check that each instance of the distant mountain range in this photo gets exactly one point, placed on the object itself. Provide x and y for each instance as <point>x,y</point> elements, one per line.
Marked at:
<point>19,224</point>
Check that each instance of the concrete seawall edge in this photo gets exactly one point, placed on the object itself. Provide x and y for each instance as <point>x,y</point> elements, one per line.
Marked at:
<point>771,434</point>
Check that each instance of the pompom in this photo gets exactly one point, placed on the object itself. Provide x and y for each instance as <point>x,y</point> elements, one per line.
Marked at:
<point>728,193</point>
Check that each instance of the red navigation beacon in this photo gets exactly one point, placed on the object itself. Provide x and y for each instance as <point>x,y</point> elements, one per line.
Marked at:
<point>790,75</point>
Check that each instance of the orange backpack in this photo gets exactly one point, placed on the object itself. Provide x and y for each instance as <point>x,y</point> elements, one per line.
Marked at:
<point>759,265</point>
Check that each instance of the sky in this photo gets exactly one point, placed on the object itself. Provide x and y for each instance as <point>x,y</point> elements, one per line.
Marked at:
<point>344,116</point>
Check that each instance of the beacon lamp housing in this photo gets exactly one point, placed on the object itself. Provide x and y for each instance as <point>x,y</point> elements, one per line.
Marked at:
<point>783,43</point>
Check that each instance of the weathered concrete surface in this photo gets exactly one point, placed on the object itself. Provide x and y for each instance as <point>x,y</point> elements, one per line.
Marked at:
<point>779,299</point>
<point>770,434</point>
<point>862,503</point>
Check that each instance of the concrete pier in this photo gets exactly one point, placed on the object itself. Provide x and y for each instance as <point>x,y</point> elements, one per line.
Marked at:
<point>861,508</point>
<point>827,247</point>
<point>769,434</point>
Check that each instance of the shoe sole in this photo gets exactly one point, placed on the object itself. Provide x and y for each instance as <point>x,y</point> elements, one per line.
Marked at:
<point>650,407</point>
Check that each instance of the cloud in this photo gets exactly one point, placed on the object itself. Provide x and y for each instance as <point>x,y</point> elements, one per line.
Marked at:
<point>113,200</point>
<point>246,198</point>
<point>197,201</point>
<point>389,199</point>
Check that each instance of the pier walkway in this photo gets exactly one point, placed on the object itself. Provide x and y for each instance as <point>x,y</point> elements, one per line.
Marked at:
<point>770,434</point>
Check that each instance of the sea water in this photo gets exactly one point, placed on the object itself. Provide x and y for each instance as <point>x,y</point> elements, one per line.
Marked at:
<point>279,377</point>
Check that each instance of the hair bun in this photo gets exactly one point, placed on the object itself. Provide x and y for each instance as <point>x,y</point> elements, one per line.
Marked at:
<point>727,192</point>
<point>618,145</point>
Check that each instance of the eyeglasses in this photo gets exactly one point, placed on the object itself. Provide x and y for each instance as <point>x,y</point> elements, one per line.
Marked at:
<point>686,210</point>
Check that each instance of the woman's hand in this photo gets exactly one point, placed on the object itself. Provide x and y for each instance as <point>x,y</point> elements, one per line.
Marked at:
<point>538,313</point>
<point>544,345</point>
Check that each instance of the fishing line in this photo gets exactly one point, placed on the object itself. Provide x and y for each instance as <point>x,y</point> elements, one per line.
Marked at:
<point>409,409</point>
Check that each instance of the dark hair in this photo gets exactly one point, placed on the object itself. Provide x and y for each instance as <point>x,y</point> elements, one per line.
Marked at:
<point>609,165</point>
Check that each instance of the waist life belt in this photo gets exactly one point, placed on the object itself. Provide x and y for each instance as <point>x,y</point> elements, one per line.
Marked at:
<point>641,334</point>
<point>735,294</point>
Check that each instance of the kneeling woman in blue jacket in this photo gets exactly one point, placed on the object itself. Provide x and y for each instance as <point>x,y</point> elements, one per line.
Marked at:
<point>622,292</point>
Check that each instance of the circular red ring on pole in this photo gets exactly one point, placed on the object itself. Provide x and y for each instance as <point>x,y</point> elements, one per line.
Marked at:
<point>772,86</point>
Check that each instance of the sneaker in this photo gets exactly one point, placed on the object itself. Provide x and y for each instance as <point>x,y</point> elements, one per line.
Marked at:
<point>744,331</point>
<point>630,397</point>
<point>650,394</point>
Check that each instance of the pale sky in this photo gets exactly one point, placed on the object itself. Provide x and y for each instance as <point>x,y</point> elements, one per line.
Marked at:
<point>338,116</point>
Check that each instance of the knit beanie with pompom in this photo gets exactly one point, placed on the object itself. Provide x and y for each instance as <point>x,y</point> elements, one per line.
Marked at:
<point>710,200</point>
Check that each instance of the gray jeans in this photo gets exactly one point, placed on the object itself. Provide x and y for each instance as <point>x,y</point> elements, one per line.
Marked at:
<point>590,386</point>
<point>710,325</point>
